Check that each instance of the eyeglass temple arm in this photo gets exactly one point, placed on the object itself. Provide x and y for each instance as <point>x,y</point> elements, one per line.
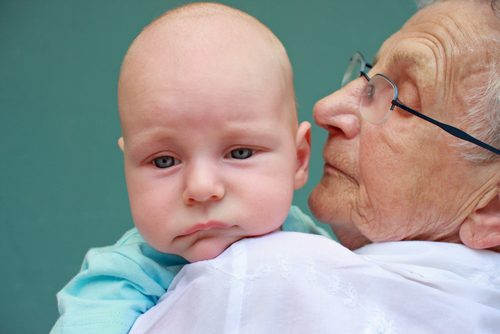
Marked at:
<point>448,128</point>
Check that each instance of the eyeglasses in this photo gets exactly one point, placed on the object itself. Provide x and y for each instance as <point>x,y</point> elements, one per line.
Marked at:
<point>380,97</point>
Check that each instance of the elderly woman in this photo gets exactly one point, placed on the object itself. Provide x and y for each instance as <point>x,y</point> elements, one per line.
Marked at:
<point>396,168</point>
<point>410,187</point>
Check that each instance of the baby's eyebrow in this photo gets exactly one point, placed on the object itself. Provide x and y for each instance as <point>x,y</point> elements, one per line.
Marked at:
<point>147,138</point>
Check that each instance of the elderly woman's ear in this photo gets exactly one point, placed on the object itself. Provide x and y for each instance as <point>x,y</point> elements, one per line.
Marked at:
<point>481,229</point>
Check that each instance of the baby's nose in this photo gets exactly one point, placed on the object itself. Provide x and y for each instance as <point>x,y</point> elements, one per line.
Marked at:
<point>203,184</point>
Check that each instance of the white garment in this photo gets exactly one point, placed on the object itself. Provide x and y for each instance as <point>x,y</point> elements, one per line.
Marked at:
<point>290,282</point>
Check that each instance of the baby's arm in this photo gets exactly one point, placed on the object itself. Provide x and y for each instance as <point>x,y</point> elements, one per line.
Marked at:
<point>297,221</point>
<point>115,285</point>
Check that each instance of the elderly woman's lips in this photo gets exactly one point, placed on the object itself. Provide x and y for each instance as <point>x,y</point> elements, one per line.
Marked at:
<point>205,226</point>
<point>331,169</point>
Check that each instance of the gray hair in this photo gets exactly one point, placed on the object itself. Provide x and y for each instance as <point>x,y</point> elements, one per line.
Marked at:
<point>483,116</point>
<point>495,4</point>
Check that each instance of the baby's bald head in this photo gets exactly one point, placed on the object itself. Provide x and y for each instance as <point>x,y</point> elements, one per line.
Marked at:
<point>205,44</point>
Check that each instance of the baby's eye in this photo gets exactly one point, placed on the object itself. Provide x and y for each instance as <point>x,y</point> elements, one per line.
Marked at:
<point>165,161</point>
<point>241,153</point>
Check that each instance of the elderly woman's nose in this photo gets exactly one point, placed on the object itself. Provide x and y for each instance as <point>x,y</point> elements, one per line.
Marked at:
<point>339,112</point>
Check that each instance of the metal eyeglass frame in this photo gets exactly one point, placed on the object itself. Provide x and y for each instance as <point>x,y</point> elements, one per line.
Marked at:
<point>397,103</point>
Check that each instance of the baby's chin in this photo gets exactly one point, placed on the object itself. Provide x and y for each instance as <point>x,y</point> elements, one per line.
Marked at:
<point>208,248</point>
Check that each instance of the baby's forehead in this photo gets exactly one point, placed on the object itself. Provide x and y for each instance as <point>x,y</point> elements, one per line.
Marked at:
<point>204,106</point>
<point>198,85</point>
<point>222,60</point>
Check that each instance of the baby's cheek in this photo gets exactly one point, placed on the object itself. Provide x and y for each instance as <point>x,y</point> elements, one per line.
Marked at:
<point>274,207</point>
<point>149,218</point>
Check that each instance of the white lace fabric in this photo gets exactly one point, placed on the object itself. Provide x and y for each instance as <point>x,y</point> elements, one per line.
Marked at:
<point>290,282</point>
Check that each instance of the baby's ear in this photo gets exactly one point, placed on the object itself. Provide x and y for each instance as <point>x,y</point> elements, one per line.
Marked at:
<point>303,147</point>
<point>481,229</point>
<point>121,144</point>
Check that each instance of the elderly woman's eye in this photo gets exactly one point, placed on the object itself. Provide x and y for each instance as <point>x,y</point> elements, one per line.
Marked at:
<point>165,161</point>
<point>241,153</point>
<point>369,91</point>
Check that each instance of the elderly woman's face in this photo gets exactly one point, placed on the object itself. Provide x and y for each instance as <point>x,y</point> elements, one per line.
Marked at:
<point>403,179</point>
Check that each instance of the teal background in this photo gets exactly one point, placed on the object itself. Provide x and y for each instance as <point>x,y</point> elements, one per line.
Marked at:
<point>61,180</point>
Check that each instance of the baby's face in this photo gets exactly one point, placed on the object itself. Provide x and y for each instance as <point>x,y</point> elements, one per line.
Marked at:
<point>210,155</point>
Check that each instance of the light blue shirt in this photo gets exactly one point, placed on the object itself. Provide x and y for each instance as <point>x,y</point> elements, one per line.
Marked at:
<point>118,283</point>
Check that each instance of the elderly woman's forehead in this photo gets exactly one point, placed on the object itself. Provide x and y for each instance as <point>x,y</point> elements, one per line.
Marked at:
<point>456,31</point>
<point>457,22</point>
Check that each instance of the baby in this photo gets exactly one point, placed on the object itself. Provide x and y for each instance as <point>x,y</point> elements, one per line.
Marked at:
<point>213,153</point>
<point>212,148</point>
